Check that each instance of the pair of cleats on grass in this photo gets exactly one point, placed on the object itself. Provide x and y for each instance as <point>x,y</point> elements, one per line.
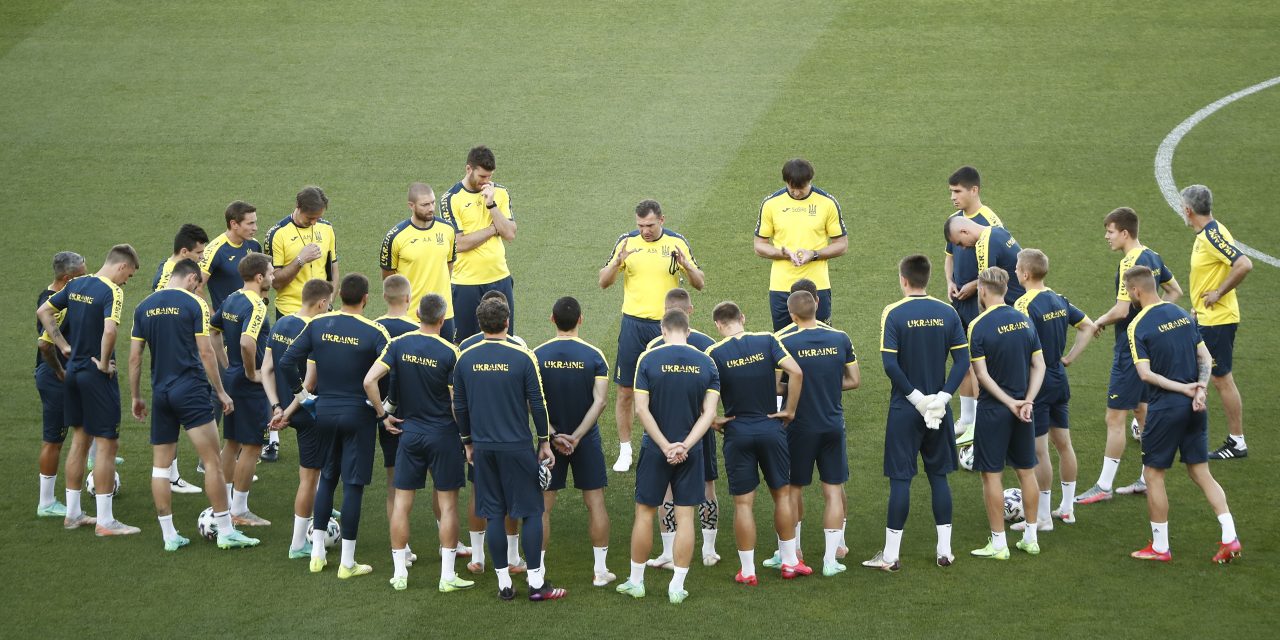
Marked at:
<point>636,590</point>
<point>1227,551</point>
<point>456,583</point>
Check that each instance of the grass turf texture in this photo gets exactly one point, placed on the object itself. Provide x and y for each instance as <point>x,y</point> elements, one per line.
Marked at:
<point>123,122</point>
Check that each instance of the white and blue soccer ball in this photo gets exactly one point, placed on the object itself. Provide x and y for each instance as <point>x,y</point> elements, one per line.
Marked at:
<point>544,474</point>
<point>90,486</point>
<point>966,457</point>
<point>207,525</point>
<point>332,533</point>
<point>1013,505</point>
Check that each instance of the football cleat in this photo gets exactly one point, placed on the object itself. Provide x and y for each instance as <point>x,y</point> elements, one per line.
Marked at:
<point>516,569</point>
<point>1228,451</point>
<point>945,560</point>
<point>200,467</point>
<point>410,558</point>
<point>298,554</point>
<point>1042,525</point>
<point>270,453</point>
<point>455,584</point>
<point>991,552</point>
<point>475,567</point>
<point>82,520</point>
<point>1067,517</point>
<point>661,562</point>
<point>400,583</point>
<point>633,589</point>
<point>115,528</point>
<point>54,509</point>
<point>1030,546</point>
<point>176,543</point>
<point>967,436</point>
<point>354,570</point>
<point>507,594</point>
<point>832,568</point>
<point>1094,494</point>
<point>547,592</point>
<point>182,486</point>
<point>462,551</point>
<point>774,561</point>
<point>878,562</point>
<point>710,559</point>
<point>236,540</point>
<point>1137,488</point>
<point>602,578</point>
<point>841,552</point>
<point>1149,553</point>
<point>1227,552</point>
<point>318,564</point>
<point>791,571</point>
<point>750,581</point>
<point>249,519</point>
<point>676,597</point>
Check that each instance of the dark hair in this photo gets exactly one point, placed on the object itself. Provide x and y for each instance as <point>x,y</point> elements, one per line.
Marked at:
<point>797,173</point>
<point>726,311</point>
<point>802,305</point>
<point>312,200</point>
<point>566,312</point>
<point>189,235</point>
<point>353,289</point>
<point>481,157</point>
<point>966,177</point>
<point>254,264</point>
<point>805,284</point>
<point>946,227</point>
<point>675,320</point>
<point>431,309</point>
<point>492,315</point>
<point>678,298</point>
<point>494,294</point>
<point>236,211</point>
<point>915,270</point>
<point>316,289</point>
<point>184,268</point>
<point>648,208</point>
<point>123,253</point>
<point>1125,219</point>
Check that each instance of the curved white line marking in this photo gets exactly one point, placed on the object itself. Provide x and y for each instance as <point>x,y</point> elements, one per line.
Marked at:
<point>1164,157</point>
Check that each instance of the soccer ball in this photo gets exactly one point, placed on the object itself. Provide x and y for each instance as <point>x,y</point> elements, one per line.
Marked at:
<point>332,533</point>
<point>1012,505</point>
<point>90,485</point>
<point>966,457</point>
<point>207,526</point>
<point>544,474</point>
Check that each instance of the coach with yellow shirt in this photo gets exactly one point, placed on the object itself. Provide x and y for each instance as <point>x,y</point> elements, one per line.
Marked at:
<point>302,247</point>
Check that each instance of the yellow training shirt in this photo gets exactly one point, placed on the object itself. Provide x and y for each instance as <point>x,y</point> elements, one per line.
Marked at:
<point>649,273</point>
<point>809,224</point>
<point>423,255</point>
<point>466,211</point>
<point>1212,254</point>
<point>285,241</point>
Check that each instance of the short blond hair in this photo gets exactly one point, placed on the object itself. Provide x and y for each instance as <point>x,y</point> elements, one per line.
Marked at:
<point>994,279</point>
<point>396,287</point>
<point>124,253</point>
<point>1034,262</point>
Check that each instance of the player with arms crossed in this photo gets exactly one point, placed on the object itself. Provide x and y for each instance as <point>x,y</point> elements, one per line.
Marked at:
<point>917,333</point>
<point>1006,355</point>
<point>1051,314</point>
<point>1125,391</point>
<point>49,373</point>
<point>652,259</point>
<point>676,391</point>
<point>423,250</point>
<point>93,306</point>
<point>799,230</point>
<point>174,323</point>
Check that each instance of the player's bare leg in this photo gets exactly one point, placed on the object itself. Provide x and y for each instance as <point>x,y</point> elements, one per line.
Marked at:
<point>75,465</point>
<point>449,523</point>
<point>666,531</point>
<point>162,495</point>
<point>598,531</point>
<point>676,592</point>
<point>744,534</point>
<point>993,501</point>
<point>833,515</point>
<point>1229,548</point>
<point>1140,485</point>
<point>205,440</point>
<point>709,516</point>
<point>242,481</point>
<point>624,413</point>
<point>641,546</point>
<point>462,550</point>
<point>104,478</point>
<point>476,528</point>
<point>1233,407</point>
<point>1068,470</point>
<point>304,501</point>
<point>784,523</point>
<point>1030,507</point>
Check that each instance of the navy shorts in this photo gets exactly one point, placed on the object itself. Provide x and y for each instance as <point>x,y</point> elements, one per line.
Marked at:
<point>710,463</point>
<point>782,318</point>
<point>185,404</point>
<point>347,434</point>
<point>92,400</point>
<point>633,336</point>
<point>466,299</point>
<point>759,446</point>
<point>251,411</point>
<point>824,447</point>
<point>967,309</point>
<point>311,448</point>
<point>430,449</point>
<point>389,443</point>
<point>507,483</point>
<point>654,475</point>
<point>1053,413</point>
<point>1221,341</point>
<point>52,400</point>
<point>906,437</point>
<point>1125,390</point>
<point>1177,429</point>
<point>1002,437</point>
<point>587,463</point>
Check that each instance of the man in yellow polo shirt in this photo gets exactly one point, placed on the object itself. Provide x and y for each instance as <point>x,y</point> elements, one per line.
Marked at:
<point>1217,268</point>
<point>799,229</point>
<point>302,247</point>
<point>480,210</point>
<point>422,249</point>
<point>652,259</point>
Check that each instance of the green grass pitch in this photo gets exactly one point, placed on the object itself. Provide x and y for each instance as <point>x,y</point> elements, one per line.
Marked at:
<point>123,120</point>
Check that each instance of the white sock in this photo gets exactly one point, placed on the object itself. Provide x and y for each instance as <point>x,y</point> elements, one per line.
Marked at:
<point>535,577</point>
<point>173,470</point>
<point>273,437</point>
<point>542,560</point>
<point>843,523</point>
<point>167,529</point>
<point>1030,532</point>
<point>348,553</point>
<point>1239,442</point>
<point>1228,527</point>
<point>892,544</point>
<point>997,540</point>
<point>668,541</point>
<point>677,580</point>
<point>47,486</point>
<point>104,509</point>
<point>1160,536</point>
<point>944,539</point>
<point>1108,476</point>
<point>1142,476</point>
<point>637,573</point>
<point>709,541</point>
<point>504,578</point>
<point>513,550</point>
<point>787,549</point>
<point>780,400</point>
<point>832,539</point>
<point>317,543</point>
<point>239,502</point>
<point>231,492</point>
<point>797,539</point>
<point>1068,497</point>
<point>477,547</point>
<point>409,552</point>
<point>968,410</point>
<point>448,562</point>
<point>73,504</point>
<point>93,449</point>
<point>748,560</point>
<point>299,532</point>
<point>624,450</point>
<point>601,554</point>
<point>400,559</point>
<point>222,521</point>
<point>1045,508</point>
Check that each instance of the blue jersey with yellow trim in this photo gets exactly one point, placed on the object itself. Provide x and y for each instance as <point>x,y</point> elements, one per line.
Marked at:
<point>1165,337</point>
<point>964,261</point>
<point>283,334</point>
<point>997,248</point>
<point>748,385</point>
<point>343,346</point>
<point>496,387</point>
<point>570,367</point>
<point>89,302</point>
<point>822,353</point>
<point>920,332</point>
<point>676,378</point>
<point>421,366</point>
<point>221,267</point>
<point>1138,256</point>
<point>41,366</point>
<point>1051,314</point>
<point>1005,339</point>
<point>697,339</point>
<point>169,321</point>
<point>242,314</point>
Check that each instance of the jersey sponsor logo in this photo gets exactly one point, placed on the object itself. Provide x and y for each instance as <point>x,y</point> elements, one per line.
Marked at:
<point>416,359</point>
<point>921,323</point>
<point>744,361</point>
<point>681,368</point>
<point>563,364</point>
<point>1174,324</point>
<point>340,339</point>
<point>491,367</point>
<point>1013,326</point>
<point>163,311</point>
<point>818,352</point>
